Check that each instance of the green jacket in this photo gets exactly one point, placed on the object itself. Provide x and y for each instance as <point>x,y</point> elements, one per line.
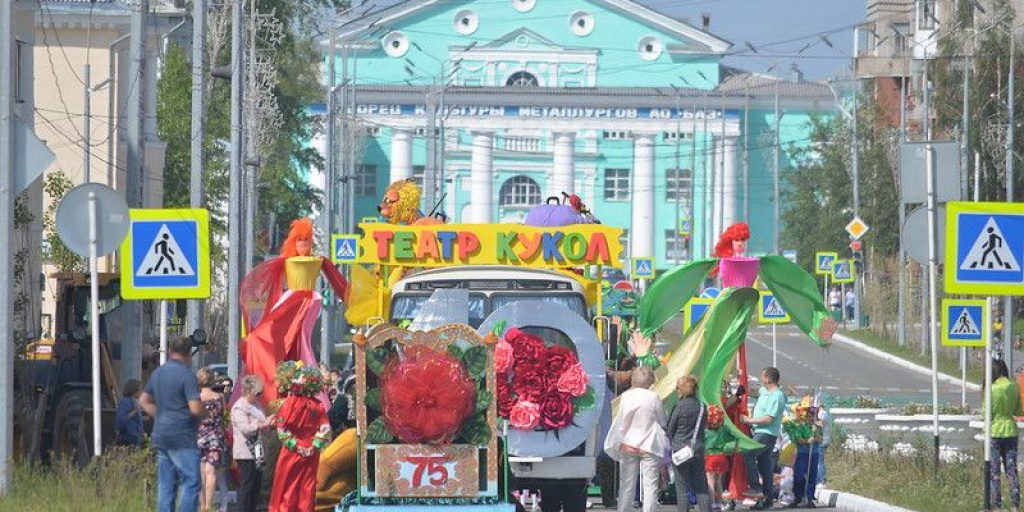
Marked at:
<point>1006,406</point>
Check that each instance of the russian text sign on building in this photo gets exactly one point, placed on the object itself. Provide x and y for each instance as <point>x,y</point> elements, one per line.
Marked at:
<point>964,322</point>
<point>166,255</point>
<point>643,268</point>
<point>824,261</point>
<point>344,249</point>
<point>771,311</point>
<point>491,244</point>
<point>984,248</point>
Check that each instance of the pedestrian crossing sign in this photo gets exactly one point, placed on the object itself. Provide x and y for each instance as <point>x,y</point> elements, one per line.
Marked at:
<point>842,271</point>
<point>643,268</point>
<point>166,255</point>
<point>964,322</point>
<point>824,261</point>
<point>694,310</point>
<point>344,249</point>
<point>771,310</point>
<point>985,248</point>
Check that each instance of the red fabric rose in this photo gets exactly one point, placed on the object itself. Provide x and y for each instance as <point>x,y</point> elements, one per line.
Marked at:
<point>556,411</point>
<point>530,382</point>
<point>426,396</point>
<point>506,399</point>
<point>503,356</point>
<point>526,347</point>
<point>574,380</point>
<point>524,415</point>
<point>557,359</point>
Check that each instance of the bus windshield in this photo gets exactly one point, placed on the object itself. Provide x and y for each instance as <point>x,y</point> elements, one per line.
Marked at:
<point>407,307</point>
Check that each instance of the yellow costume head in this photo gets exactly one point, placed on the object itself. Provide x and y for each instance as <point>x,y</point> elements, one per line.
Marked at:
<point>401,202</point>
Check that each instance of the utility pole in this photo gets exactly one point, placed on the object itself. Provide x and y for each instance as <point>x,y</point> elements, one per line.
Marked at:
<point>7,196</point>
<point>1008,300</point>
<point>855,159</point>
<point>746,158</point>
<point>251,150</point>
<point>901,311</point>
<point>330,192</point>
<point>131,353</point>
<point>86,124</point>
<point>197,192</point>
<point>775,173</point>
<point>235,190</point>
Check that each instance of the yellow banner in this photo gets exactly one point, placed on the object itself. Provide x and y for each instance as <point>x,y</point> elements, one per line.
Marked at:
<point>490,244</point>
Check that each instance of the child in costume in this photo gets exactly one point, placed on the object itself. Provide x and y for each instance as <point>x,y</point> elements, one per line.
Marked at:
<point>805,431</point>
<point>304,430</point>
<point>280,321</point>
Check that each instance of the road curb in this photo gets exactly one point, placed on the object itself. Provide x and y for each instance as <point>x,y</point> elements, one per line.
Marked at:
<point>833,499</point>
<point>846,340</point>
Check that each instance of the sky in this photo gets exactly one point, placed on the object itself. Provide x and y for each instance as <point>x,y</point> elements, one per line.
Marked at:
<point>764,22</point>
<point>791,24</point>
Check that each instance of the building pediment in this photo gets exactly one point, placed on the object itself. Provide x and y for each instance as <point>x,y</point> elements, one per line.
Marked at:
<point>523,39</point>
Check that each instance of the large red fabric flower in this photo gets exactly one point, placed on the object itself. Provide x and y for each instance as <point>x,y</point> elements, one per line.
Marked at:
<point>506,399</point>
<point>573,381</point>
<point>530,382</point>
<point>557,359</point>
<point>526,347</point>
<point>556,411</point>
<point>426,396</point>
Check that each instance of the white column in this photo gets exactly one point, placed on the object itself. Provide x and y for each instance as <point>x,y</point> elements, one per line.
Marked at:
<point>641,232</point>
<point>481,179</point>
<point>401,154</point>
<point>731,187</point>
<point>562,178</point>
<point>716,189</point>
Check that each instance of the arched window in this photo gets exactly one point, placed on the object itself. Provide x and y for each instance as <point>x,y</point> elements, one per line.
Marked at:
<point>522,79</point>
<point>519,191</point>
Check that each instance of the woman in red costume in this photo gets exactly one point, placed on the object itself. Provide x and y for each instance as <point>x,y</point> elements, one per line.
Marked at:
<point>304,430</point>
<point>279,321</point>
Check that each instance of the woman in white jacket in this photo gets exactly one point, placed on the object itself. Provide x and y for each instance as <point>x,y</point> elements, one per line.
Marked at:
<point>637,440</point>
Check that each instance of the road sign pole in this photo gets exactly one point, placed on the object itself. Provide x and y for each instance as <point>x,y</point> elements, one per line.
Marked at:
<point>986,380</point>
<point>775,350</point>
<point>932,296</point>
<point>163,332</point>
<point>7,196</point>
<point>94,316</point>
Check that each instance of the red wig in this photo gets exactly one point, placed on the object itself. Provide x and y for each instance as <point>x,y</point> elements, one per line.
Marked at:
<point>301,228</point>
<point>738,231</point>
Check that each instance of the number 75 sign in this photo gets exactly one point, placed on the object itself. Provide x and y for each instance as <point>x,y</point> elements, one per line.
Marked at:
<point>427,471</point>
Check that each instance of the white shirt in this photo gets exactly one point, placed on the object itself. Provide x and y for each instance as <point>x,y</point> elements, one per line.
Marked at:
<point>639,423</point>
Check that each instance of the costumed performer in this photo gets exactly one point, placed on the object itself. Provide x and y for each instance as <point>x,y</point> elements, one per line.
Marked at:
<point>279,322</point>
<point>304,430</point>
<point>715,344</point>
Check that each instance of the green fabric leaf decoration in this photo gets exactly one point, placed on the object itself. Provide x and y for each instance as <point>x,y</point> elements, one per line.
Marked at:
<point>377,359</point>
<point>475,360</point>
<point>476,430</point>
<point>483,399</point>
<point>499,328</point>
<point>797,292</point>
<point>455,350</point>
<point>378,433</point>
<point>587,401</point>
<point>373,398</point>
<point>670,292</point>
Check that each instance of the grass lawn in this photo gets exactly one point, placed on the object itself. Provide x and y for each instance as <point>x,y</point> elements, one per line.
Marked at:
<point>121,482</point>
<point>909,481</point>
<point>948,365</point>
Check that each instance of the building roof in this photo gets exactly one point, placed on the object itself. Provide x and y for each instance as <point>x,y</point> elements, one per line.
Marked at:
<point>760,85</point>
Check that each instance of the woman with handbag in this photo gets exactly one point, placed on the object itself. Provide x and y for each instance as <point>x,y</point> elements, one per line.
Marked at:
<point>248,422</point>
<point>686,431</point>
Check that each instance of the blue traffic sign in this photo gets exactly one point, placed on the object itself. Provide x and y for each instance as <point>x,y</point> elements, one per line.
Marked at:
<point>789,254</point>
<point>710,293</point>
<point>643,268</point>
<point>987,248</point>
<point>824,261</point>
<point>964,322</point>
<point>771,311</point>
<point>344,249</point>
<point>168,254</point>
<point>842,271</point>
<point>694,311</point>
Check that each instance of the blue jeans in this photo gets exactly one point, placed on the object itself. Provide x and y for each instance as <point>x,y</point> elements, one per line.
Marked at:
<point>761,466</point>
<point>805,472</point>
<point>178,470</point>
<point>821,464</point>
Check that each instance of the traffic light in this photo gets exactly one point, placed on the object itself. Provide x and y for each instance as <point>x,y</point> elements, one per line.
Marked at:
<point>858,261</point>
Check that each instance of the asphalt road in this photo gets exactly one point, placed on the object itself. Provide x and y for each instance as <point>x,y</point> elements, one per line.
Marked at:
<point>840,370</point>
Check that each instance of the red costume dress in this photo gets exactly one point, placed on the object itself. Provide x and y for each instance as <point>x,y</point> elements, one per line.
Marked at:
<point>299,422</point>
<point>280,322</point>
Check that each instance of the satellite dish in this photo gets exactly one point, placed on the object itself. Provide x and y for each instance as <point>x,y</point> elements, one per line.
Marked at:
<point>112,219</point>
